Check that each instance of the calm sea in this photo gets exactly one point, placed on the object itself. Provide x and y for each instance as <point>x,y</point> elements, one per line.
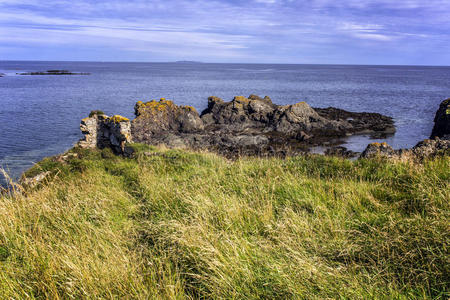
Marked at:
<point>40,115</point>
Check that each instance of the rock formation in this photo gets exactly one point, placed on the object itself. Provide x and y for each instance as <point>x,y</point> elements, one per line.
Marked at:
<point>249,126</point>
<point>299,120</point>
<point>252,125</point>
<point>441,127</point>
<point>101,131</point>
<point>155,119</point>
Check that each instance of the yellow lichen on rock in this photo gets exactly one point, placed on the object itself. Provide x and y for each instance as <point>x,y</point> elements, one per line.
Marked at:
<point>118,119</point>
<point>241,99</point>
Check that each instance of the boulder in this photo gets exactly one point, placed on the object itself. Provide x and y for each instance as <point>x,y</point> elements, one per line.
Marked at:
<point>340,151</point>
<point>31,182</point>
<point>154,119</point>
<point>441,127</point>
<point>431,147</point>
<point>101,131</point>
<point>379,150</point>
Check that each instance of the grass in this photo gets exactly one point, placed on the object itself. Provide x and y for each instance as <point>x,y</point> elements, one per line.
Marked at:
<point>174,224</point>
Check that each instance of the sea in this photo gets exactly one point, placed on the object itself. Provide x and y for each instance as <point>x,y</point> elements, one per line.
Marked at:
<point>40,115</point>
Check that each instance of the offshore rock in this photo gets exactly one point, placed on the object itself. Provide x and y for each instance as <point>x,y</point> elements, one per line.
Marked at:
<point>54,72</point>
<point>441,127</point>
<point>101,131</point>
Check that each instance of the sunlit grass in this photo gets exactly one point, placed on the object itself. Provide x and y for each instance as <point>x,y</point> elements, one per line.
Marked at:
<point>178,224</point>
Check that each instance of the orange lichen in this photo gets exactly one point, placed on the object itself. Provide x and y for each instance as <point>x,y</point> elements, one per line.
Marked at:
<point>190,108</point>
<point>240,99</point>
<point>118,119</point>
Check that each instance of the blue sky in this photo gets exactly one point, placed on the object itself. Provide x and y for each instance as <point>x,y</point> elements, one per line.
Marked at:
<point>411,32</point>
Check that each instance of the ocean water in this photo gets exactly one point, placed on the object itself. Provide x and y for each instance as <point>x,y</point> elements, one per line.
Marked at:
<point>40,115</point>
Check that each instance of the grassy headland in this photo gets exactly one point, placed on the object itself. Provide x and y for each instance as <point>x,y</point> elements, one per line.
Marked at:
<point>179,224</point>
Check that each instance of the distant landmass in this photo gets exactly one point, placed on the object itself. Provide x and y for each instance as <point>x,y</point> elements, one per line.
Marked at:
<point>188,62</point>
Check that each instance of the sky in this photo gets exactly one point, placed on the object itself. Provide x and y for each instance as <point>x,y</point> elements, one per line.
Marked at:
<point>387,32</point>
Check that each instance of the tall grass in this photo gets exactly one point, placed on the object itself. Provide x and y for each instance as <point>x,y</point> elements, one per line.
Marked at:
<point>178,224</point>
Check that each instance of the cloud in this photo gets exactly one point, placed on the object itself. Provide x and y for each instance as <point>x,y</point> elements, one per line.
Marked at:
<point>226,30</point>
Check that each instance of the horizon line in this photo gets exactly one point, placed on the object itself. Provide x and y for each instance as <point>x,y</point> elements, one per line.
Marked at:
<point>246,63</point>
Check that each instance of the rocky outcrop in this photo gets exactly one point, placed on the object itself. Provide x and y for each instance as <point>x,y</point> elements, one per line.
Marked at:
<point>298,120</point>
<point>156,120</point>
<point>441,127</point>
<point>252,125</point>
<point>423,149</point>
<point>101,131</point>
<point>243,126</point>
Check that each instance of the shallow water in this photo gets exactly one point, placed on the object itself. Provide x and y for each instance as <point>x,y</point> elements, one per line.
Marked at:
<point>40,115</point>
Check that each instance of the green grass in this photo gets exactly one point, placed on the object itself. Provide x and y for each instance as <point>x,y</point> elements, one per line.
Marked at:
<point>178,224</point>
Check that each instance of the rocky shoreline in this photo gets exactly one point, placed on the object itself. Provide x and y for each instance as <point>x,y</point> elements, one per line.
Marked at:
<point>243,126</point>
<point>254,126</point>
<point>240,127</point>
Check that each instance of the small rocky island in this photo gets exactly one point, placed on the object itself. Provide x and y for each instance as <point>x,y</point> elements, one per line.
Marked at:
<point>54,72</point>
<point>243,126</point>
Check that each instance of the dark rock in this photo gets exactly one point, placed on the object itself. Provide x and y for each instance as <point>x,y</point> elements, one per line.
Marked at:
<point>54,72</point>
<point>363,122</point>
<point>155,121</point>
<point>260,114</point>
<point>379,150</point>
<point>441,127</point>
<point>431,147</point>
<point>340,151</point>
<point>424,149</point>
